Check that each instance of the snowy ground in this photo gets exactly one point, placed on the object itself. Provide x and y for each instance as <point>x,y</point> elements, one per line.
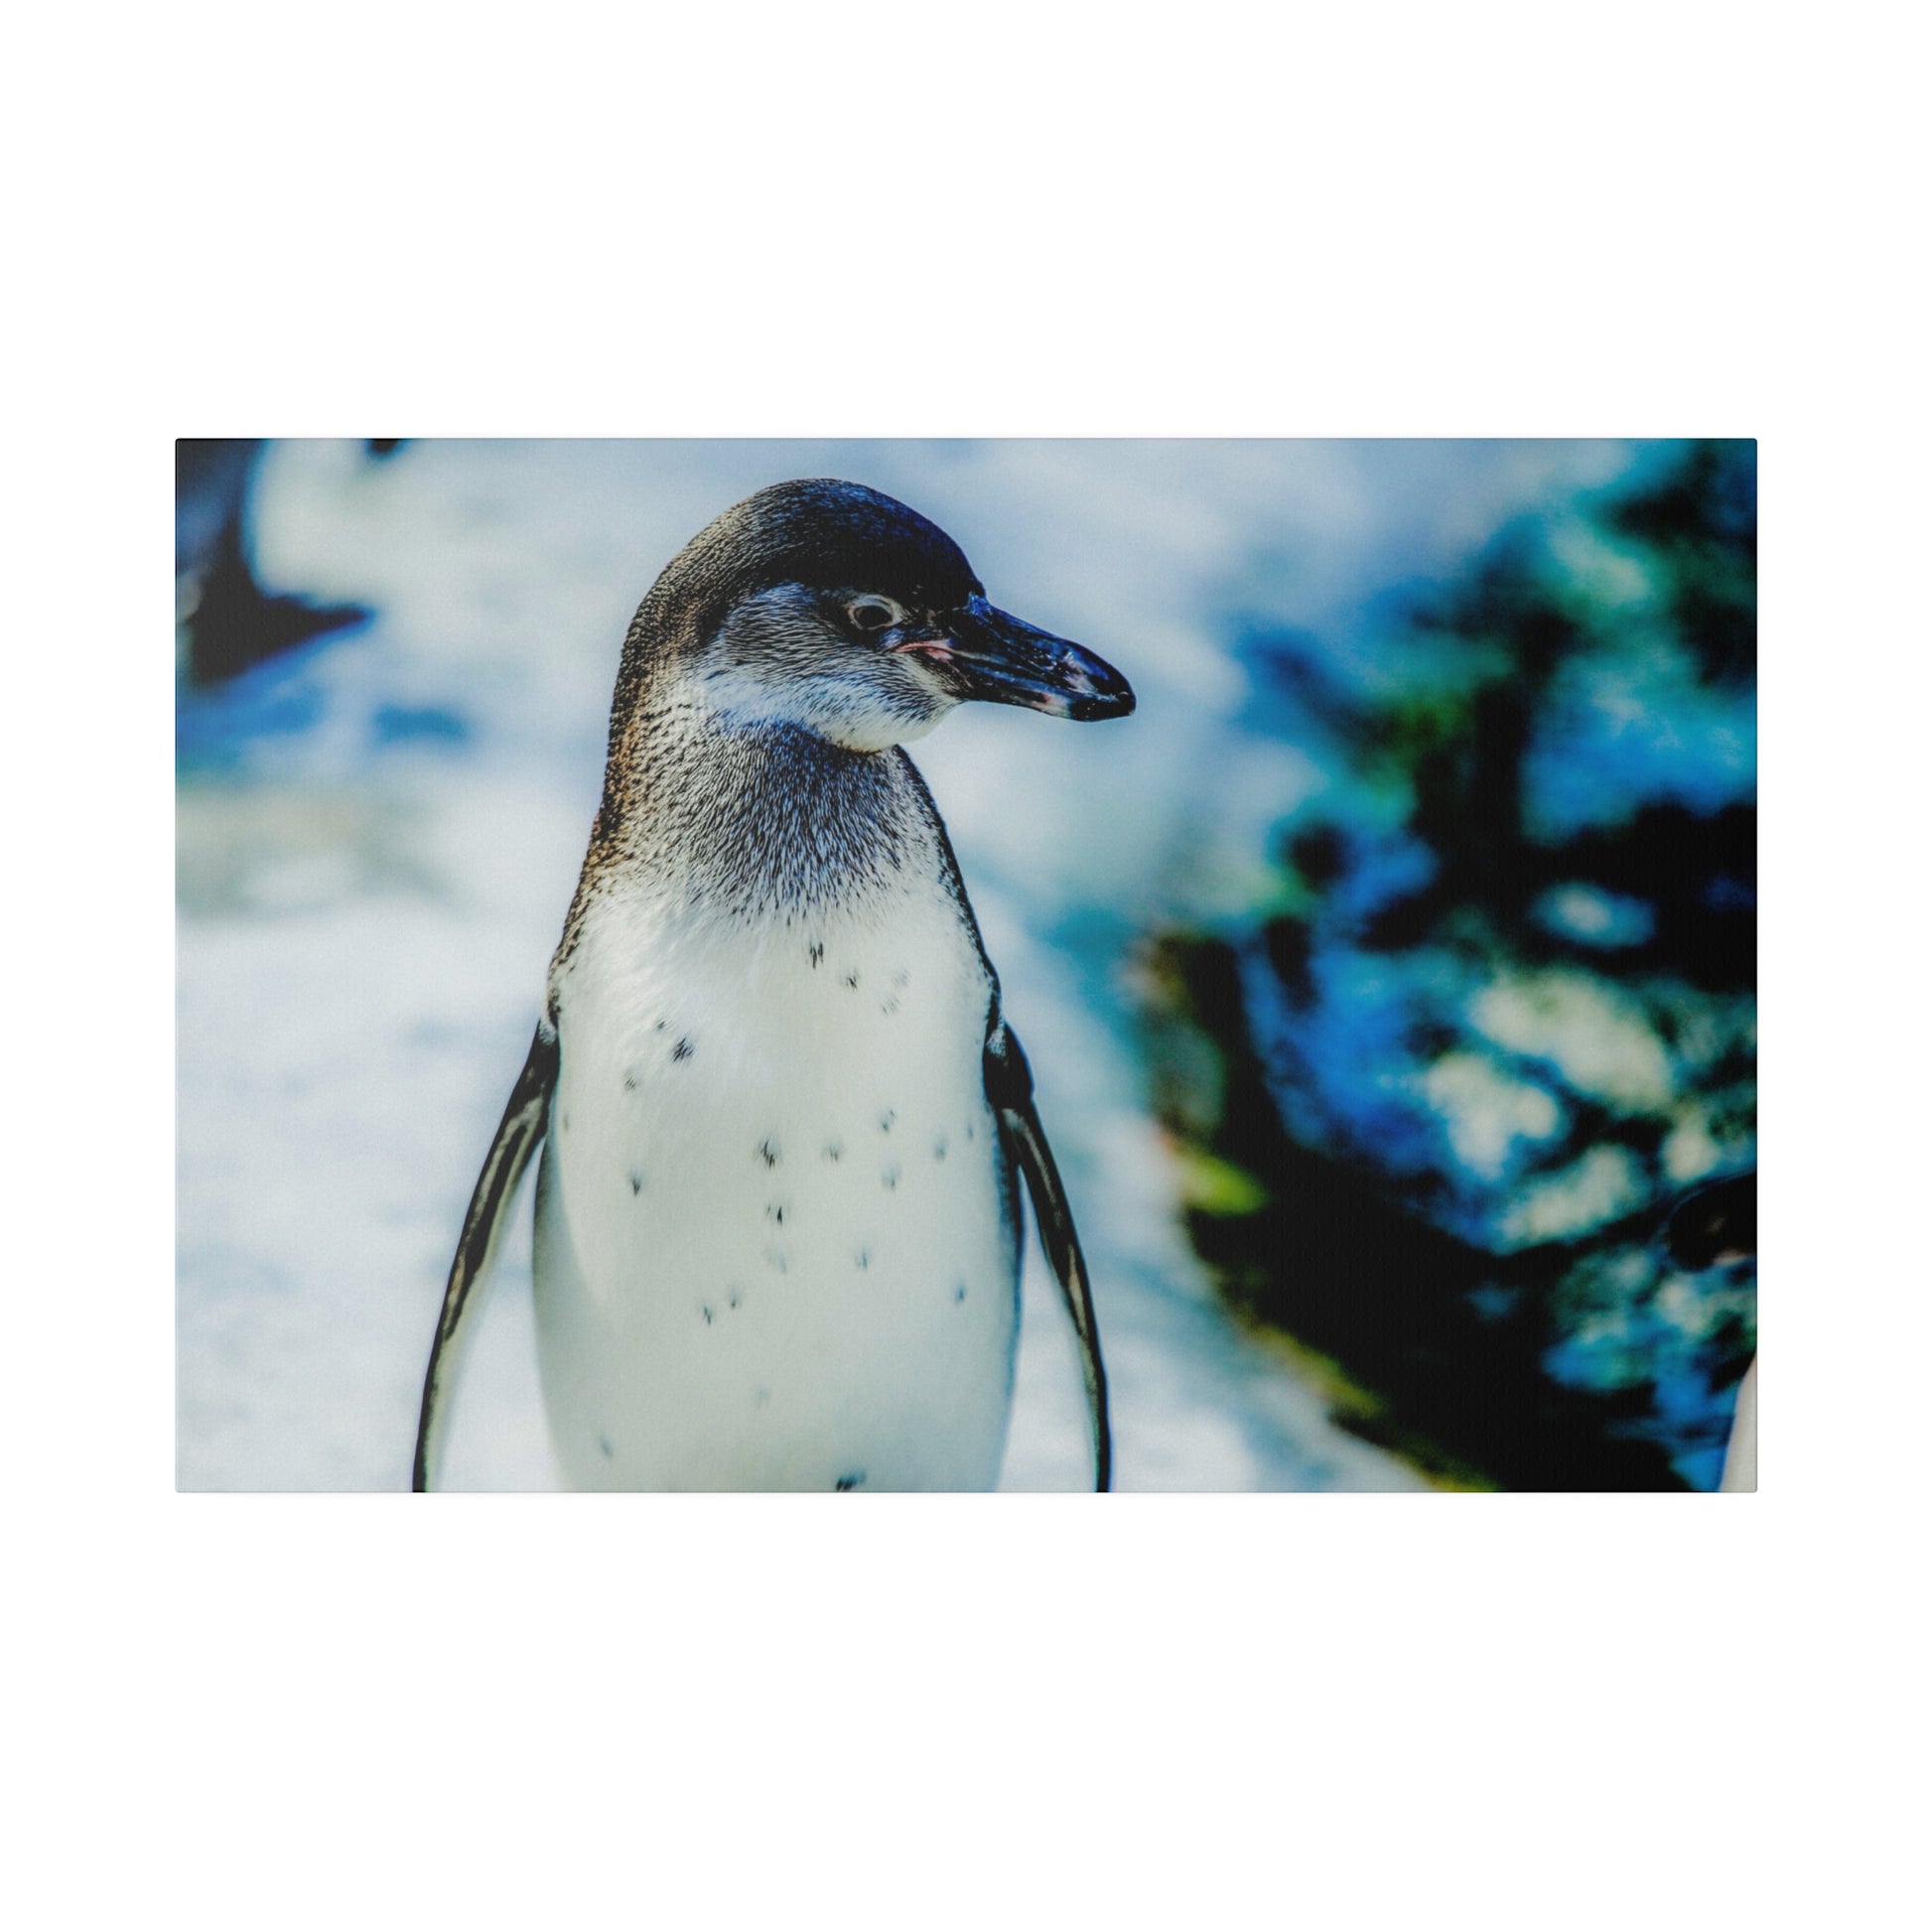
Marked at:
<point>377,838</point>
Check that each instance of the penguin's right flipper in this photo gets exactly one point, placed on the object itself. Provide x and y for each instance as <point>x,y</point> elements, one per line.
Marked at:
<point>518,1135</point>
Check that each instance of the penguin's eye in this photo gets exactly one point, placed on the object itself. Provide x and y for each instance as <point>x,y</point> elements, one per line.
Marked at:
<point>874,613</point>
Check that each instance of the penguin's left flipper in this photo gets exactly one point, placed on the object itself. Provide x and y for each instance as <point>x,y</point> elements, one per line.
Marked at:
<point>1009,1089</point>
<point>518,1135</point>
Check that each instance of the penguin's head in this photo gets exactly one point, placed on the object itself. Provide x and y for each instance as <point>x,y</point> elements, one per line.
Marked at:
<point>831,607</point>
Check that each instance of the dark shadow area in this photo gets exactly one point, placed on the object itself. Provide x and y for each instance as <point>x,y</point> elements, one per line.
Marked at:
<point>1495,1011</point>
<point>228,622</point>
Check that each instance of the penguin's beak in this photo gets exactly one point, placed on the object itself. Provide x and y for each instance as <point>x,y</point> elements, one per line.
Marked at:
<point>991,654</point>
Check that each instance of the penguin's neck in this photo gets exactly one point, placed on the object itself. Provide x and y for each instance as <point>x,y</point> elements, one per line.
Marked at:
<point>755,820</point>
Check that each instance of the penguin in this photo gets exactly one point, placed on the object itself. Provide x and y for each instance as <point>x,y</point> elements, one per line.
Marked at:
<point>781,1115</point>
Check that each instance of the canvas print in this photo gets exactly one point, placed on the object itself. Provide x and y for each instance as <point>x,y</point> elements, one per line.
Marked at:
<point>877,966</point>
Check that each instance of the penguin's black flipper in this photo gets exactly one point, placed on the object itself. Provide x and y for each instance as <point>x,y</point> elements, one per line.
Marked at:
<point>518,1135</point>
<point>1010,1088</point>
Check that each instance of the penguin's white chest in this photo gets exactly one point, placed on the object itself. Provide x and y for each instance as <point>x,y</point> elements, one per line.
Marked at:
<point>777,1245</point>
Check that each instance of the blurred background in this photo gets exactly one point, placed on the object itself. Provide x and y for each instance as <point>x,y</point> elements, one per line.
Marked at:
<point>1388,978</point>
